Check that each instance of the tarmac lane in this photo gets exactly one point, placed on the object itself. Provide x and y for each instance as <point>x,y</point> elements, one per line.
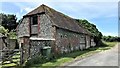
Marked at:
<point>105,58</point>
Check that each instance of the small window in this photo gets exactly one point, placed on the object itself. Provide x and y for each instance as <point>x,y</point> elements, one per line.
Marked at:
<point>34,20</point>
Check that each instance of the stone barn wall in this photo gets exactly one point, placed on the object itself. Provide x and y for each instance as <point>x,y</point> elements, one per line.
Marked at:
<point>92,42</point>
<point>36,46</point>
<point>45,29</point>
<point>67,41</point>
<point>24,48</point>
<point>23,28</point>
<point>12,43</point>
<point>88,43</point>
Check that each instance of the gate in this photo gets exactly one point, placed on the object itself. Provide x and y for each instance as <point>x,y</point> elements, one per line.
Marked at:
<point>10,57</point>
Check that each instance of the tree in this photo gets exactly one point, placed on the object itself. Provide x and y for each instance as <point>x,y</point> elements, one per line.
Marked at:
<point>3,30</point>
<point>111,38</point>
<point>12,35</point>
<point>8,21</point>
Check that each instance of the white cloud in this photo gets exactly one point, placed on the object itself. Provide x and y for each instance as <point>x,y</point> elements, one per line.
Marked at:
<point>21,10</point>
<point>86,10</point>
<point>112,15</point>
<point>18,16</point>
<point>27,6</point>
<point>28,9</point>
<point>89,10</point>
<point>110,33</point>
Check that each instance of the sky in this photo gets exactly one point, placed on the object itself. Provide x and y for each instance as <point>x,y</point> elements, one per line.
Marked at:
<point>102,13</point>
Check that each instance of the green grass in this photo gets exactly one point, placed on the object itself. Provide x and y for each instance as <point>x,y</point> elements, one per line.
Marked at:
<point>110,44</point>
<point>66,58</point>
<point>16,56</point>
<point>43,63</point>
<point>74,55</point>
<point>9,65</point>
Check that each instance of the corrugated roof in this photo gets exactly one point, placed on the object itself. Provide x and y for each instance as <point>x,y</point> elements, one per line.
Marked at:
<point>60,20</point>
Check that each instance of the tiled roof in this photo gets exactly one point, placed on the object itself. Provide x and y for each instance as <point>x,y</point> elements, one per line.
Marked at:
<point>59,20</point>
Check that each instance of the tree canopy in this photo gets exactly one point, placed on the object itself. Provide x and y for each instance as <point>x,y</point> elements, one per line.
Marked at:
<point>111,38</point>
<point>8,21</point>
<point>3,30</point>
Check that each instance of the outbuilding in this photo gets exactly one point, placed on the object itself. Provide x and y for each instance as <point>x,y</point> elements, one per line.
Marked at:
<point>45,26</point>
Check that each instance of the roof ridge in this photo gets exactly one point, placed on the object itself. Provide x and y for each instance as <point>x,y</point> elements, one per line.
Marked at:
<point>59,19</point>
<point>36,9</point>
<point>66,18</point>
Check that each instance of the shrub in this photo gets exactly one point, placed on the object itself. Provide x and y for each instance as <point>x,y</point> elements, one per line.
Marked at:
<point>36,60</point>
<point>3,30</point>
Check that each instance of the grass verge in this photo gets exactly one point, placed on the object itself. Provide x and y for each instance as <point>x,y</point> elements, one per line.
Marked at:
<point>71,56</point>
<point>41,62</point>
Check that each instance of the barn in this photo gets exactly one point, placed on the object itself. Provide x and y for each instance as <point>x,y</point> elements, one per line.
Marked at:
<point>45,27</point>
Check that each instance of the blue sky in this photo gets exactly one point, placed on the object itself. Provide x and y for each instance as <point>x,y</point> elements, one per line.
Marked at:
<point>103,14</point>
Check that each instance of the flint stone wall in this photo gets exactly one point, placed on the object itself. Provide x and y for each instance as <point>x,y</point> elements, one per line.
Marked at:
<point>67,41</point>
<point>92,42</point>
<point>37,46</point>
<point>45,29</point>
<point>88,41</point>
<point>23,28</point>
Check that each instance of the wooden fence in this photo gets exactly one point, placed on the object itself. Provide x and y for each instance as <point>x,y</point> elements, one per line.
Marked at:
<point>8,57</point>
